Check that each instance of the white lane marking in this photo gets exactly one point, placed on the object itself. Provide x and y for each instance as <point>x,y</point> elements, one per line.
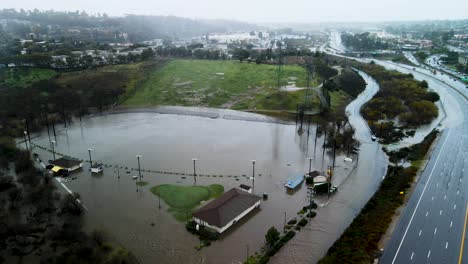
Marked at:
<point>420,198</point>
<point>435,231</point>
<point>451,223</point>
<point>440,213</point>
<point>437,185</point>
<point>445,196</point>
<point>429,253</point>
<point>70,192</point>
<point>420,231</point>
<point>432,199</point>
<point>458,192</point>
<point>446,245</point>
<point>412,255</point>
<point>454,206</point>
<point>427,213</point>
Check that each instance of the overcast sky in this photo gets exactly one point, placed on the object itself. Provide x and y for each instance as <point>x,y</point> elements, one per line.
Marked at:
<point>264,10</point>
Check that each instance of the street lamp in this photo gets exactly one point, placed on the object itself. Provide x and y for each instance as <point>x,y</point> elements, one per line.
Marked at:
<point>25,140</point>
<point>253,175</point>
<point>310,163</point>
<point>90,160</point>
<point>194,170</point>
<point>53,149</point>
<point>139,169</point>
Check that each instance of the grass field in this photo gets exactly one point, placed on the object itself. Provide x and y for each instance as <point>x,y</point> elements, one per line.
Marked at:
<point>125,76</point>
<point>229,84</point>
<point>24,77</point>
<point>182,199</point>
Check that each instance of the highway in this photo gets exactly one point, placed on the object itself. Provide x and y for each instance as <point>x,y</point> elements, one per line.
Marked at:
<point>432,227</point>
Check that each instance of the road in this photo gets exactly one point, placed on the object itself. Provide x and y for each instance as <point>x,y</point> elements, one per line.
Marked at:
<point>436,62</point>
<point>432,228</point>
<point>312,242</point>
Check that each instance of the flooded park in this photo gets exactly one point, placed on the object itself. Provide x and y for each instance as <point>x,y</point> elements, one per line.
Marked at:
<point>224,142</point>
<point>167,142</point>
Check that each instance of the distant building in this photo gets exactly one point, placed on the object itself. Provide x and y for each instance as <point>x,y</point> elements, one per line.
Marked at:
<point>223,212</point>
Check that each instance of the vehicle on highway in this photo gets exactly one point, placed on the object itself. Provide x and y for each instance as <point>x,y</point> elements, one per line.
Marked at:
<point>373,137</point>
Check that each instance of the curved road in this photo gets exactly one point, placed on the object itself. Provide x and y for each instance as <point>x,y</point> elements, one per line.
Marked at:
<point>432,228</point>
<point>312,242</point>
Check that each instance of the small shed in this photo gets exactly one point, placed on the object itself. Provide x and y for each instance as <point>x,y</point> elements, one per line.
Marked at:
<point>97,167</point>
<point>66,163</point>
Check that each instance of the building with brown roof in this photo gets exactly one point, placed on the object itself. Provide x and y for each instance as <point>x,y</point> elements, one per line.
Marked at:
<point>226,210</point>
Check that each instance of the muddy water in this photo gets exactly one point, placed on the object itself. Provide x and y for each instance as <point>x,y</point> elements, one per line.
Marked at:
<point>312,243</point>
<point>224,147</point>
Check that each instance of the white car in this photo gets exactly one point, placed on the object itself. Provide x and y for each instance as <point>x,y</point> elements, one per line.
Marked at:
<point>373,137</point>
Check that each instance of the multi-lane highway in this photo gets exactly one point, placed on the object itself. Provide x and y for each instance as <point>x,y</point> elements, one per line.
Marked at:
<point>433,226</point>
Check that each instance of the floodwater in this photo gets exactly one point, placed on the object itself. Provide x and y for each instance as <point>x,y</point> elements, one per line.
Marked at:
<point>312,243</point>
<point>224,142</point>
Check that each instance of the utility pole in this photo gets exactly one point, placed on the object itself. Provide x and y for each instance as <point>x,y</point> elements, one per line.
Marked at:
<point>139,169</point>
<point>334,152</point>
<point>25,140</point>
<point>90,160</point>
<point>253,176</point>
<point>194,171</point>
<point>310,164</point>
<point>53,149</point>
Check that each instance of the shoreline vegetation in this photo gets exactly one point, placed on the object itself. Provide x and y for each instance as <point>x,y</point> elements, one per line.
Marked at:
<point>400,106</point>
<point>359,242</point>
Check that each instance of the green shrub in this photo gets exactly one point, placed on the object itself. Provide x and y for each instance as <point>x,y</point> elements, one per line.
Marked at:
<point>303,222</point>
<point>311,214</point>
<point>292,222</point>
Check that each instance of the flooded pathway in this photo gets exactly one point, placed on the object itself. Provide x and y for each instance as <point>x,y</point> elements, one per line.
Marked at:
<point>313,241</point>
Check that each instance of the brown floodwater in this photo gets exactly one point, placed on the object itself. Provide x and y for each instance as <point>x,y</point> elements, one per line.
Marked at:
<point>224,142</point>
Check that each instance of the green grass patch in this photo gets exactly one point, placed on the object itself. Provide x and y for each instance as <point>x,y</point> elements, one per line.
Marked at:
<point>24,77</point>
<point>213,83</point>
<point>278,100</point>
<point>182,199</point>
<point>127,77</point>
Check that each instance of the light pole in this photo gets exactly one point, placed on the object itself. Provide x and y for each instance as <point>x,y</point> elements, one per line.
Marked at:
<point>253,175</point>
<point>311,202</point>
<point>90,160</point>
<point>25,140</point>
<point>53,149</point>
<point>194,171</point>
<point>139,169</point>
<point>136,184</point>
<point>284,224</point>
<point>310,163</point>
